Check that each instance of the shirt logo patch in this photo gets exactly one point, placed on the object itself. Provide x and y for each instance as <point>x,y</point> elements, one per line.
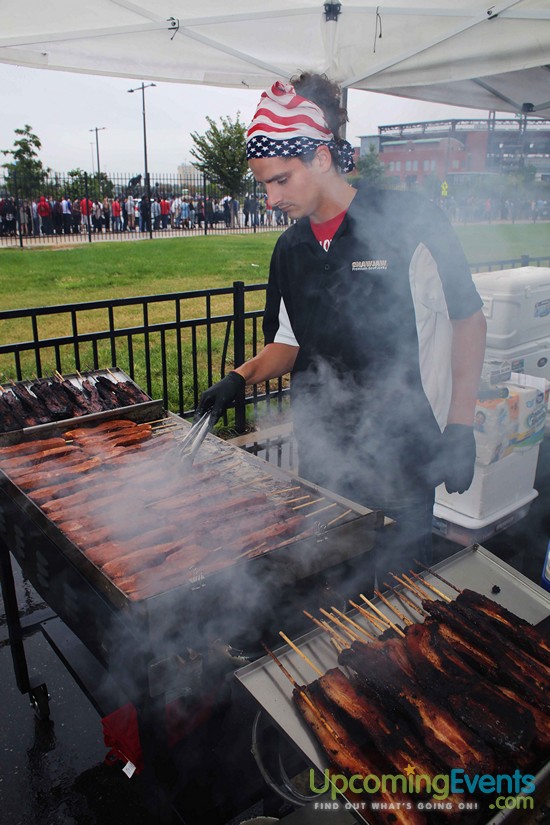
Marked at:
<point>367,266</point>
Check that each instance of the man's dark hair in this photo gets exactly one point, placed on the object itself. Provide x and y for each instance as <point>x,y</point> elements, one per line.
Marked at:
<point>326,94</point>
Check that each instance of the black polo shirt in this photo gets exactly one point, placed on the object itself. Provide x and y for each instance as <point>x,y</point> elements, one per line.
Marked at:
<point>361,416</point>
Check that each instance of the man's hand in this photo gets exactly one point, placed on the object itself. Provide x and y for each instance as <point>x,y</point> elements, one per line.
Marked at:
<point>220,395</point>
<point>458,457</point>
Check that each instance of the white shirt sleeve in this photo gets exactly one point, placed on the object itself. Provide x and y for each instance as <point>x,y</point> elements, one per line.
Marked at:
<point>434,330</point>
<point>285,334</point>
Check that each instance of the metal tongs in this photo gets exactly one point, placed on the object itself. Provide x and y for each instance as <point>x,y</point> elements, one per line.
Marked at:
<point>190,444</point>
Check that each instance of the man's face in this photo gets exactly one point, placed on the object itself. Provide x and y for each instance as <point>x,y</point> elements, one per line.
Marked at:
<point>292,186</point>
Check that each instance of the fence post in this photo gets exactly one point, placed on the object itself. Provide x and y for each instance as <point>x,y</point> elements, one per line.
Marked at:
<point>204,203</point>
<point>525,260</point>
<point>18,210</point>
<point>88,216</point>
<point>239,350</point>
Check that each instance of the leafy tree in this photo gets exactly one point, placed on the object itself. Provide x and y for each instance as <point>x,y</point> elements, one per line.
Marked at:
<point>26,171</point>
<point>370,168</point>
<point>220,153</point>
<point>76,186</point>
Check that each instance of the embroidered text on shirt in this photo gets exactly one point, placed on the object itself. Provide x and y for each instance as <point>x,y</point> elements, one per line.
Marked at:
<point>380,263</point>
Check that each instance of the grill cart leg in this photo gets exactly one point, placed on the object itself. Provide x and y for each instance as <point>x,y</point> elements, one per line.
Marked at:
<point>38,695</point>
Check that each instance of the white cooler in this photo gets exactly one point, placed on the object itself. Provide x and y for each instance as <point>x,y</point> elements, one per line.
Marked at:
<point>495,487</point>
<point>531,357</point>
<point>516,304</point>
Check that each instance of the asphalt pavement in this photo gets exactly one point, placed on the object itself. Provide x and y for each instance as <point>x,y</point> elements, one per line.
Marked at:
<point>53,772</point>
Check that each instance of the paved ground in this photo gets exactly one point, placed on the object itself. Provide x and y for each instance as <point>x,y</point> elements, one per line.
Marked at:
<point>52,773</point>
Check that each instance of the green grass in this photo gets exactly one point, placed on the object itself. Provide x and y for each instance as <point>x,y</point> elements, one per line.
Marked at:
<point>43,277</point>
<point>495,242</point>
<point>102,271</point>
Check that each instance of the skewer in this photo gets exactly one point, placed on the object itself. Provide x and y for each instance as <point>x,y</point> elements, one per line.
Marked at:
<point>408,586</point>
<point>334,520</point>
<point>431,587</point>
<point>327,628</point>
<point>354,624</point>
<point>58,375</point>
<point>300,498</point>
<point>322,509</point>
<point>405,599</point>
<point>286,490</point>
<point>337,646</point>
<point>350,633</point>
<point>437,576</point>
<point>299,652</point>
<point>379,612</point>
<point>252,550</point>
<point>369,616</point>
<point>309,503</point>
<point>393,608</point>
<point>302,690</point>
<point>425,594</point>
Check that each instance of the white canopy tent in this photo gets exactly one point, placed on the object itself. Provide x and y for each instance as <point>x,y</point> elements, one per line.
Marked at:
<point>492,57</point>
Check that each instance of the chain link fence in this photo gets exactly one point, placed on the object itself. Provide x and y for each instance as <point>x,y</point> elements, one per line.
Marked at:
<point>77,207</point>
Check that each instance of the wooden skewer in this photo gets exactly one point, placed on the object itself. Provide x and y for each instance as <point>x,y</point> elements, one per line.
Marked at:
<point>299,652</point>
<point>369,616</point>
<point>379,612</point>
<point>327,628</point>
<point>322,509</point>
<point>408,586</point>
<point>334,520</point>
<point>350,633</point>
<point>354,624</point>
<point>303,691</point>
<point>309,503</point>
<point>337,646</point>
<point>431,587</point>
<point>58,375</point>
<point>393,608</point>
<point>437,576</point>
<point>300,498</point>
<point>425,594</point>
<point>252,550</point>
<point>405,599</point>
<point>286,490</point>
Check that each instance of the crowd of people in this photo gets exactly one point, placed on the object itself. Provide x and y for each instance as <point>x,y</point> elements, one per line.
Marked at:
<point>126,213</point>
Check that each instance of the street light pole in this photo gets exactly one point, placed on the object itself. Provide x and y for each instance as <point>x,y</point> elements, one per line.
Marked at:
<point>147,184</point>
<point>97,129</point>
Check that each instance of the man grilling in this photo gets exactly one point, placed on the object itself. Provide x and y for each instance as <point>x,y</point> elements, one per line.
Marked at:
<point>371,306</point>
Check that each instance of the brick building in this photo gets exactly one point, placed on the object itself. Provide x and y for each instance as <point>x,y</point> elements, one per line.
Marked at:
<point>412,152</point>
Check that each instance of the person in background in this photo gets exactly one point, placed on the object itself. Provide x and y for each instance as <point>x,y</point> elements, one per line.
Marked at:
<point>106,207</point>
<point>67,218</point>
<point>76,216</point>
<point>371,307</point>
<point>116,213</point>
<point>131,213</point>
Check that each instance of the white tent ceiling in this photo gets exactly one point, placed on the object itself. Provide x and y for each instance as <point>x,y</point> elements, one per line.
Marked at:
<point>462,52</point>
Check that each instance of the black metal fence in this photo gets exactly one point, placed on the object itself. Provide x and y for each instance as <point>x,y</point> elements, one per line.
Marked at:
<point>173,346</point>
<point>78,207</point>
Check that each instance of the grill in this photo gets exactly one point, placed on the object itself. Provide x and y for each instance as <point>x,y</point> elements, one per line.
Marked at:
<point>233,600</point>
<point>474,568</point>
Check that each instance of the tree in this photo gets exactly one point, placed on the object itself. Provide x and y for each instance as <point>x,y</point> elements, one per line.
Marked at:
<point>370,168</point>
<point>26,172</point>
<point>221,153</point>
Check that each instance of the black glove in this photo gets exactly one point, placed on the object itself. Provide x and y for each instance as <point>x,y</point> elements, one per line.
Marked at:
<point>458,457</point>
<point>220,395</point>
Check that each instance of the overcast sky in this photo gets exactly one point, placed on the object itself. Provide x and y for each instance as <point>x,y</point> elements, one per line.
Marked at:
<point>63,107</point>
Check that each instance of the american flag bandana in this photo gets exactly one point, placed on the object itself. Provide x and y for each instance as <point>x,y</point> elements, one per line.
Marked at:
<point>287,125</point>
